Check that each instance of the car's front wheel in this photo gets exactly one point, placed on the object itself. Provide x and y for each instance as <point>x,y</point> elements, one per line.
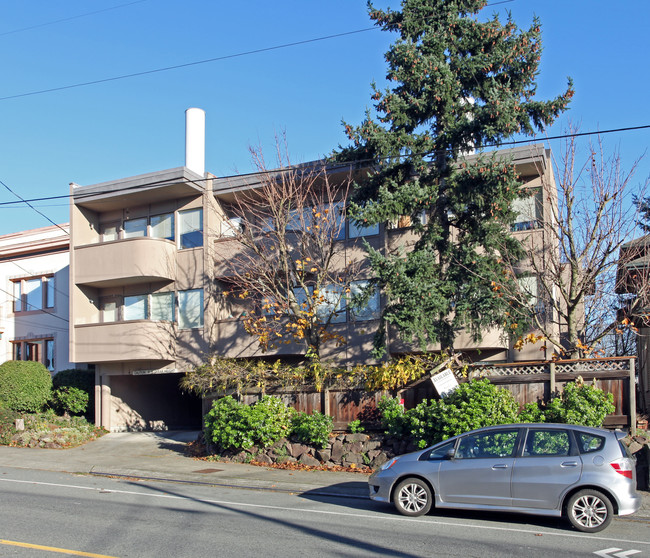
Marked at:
<point>589,511</point>
<point>413,497</point>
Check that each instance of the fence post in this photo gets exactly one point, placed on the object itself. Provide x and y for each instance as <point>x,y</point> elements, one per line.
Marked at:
<point>632,397</point>
<point>325,401</point>
<point>551,380</point>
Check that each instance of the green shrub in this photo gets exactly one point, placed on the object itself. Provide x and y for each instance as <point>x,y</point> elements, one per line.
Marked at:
<point>531,412</point>
<point>7,424</point>
<point>355,427</point>
<point>314,429</point>
<point>580,403</point>
<point>25,386</point>
<point>70,400</point>
<point>474,404</point>
<point>391,416</point>
<point>80,379</point>
<point>233,425</point>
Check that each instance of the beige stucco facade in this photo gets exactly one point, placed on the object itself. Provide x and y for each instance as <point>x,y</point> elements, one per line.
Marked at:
<point>144,291</point>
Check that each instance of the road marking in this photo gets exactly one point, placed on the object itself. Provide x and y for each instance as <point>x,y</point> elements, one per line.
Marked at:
<point>614,553</point>
<point>54,549</point>
<point>385,517</point>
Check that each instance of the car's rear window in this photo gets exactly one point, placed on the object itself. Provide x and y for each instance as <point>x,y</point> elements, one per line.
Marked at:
<point>589,443</point>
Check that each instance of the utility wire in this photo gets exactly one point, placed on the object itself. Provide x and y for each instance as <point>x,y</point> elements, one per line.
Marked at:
<point>187,64</point>
<point>14,297</point>
<point>37,211</point>
<point>39,25</point>
<point>81,197</point>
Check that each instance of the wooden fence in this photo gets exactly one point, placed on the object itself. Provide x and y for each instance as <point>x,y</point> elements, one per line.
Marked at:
<point>528,382</point>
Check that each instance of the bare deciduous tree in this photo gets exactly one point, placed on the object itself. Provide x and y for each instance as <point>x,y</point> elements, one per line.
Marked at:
<point>589,215</point>
<point>286,258</point>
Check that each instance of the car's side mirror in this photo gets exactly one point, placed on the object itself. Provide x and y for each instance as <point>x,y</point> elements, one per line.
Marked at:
<point>450,454</point>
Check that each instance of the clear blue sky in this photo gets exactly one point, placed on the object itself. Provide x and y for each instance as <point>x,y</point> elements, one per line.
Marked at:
<point>131,126</point>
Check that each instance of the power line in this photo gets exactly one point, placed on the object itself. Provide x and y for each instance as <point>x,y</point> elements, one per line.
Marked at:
<point>37,211</point>
<point>14,297</point>
<point>356,161</point>
<point>39,25</point>
<point>187,64</point>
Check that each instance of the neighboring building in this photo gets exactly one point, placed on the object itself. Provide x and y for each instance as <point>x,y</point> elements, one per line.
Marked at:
<point>144,275</point>
<point>34,304</point>
<point>633,283</point>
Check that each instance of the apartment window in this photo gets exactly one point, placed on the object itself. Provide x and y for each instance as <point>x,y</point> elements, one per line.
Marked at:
<point>136,307</point>
<point>528,211</point>
<point>190,224</point>
<point>162,226</point>
<point>134,228</point>
<point>109,310</point>
<point>37,350</point>
<point>162,306</point>
<point>332,303</point>
<point>190,309</point>
<point>356,231</point>
<point>370,309</point>
<point>110,231</point>
<point>35,293</point>
<point>231,227</point>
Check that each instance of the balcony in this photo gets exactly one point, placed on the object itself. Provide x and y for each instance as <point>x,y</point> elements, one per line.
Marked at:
<point>124,341</point>
<point>124,262</point>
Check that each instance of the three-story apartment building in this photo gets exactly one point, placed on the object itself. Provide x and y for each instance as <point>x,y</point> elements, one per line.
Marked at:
<point>146,264</point>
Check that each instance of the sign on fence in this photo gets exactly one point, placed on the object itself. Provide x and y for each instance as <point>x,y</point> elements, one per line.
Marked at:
<point>445,382</point>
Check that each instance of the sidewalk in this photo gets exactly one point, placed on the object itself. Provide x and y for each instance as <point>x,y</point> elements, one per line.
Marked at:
<point>161,456</point>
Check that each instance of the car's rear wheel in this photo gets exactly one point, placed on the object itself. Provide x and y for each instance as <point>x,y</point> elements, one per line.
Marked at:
<point>589,511</point>
<point>413,497</point>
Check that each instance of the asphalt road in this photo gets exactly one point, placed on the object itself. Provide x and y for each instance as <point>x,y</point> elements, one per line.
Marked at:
<point>44,513</point>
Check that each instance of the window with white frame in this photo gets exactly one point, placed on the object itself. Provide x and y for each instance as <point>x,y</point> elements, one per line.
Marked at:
<point>190,228</point>
<point>528,210</point>
<point>110,231</point>
<point>162,306</point>
<point>136,307</point>
<point>109,310</point>
<point>190,309</point>
<point>162,226</point>
<point>33,293</point>
<point>134,228</point>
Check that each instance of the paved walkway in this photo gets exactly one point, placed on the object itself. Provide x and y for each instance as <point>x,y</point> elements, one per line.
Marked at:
<point>161,456</point>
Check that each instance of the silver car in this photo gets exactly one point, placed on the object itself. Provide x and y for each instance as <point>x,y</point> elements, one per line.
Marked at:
<point>585,474</point>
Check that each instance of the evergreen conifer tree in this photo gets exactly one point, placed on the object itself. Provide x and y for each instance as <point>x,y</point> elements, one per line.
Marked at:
<point>458,83</point>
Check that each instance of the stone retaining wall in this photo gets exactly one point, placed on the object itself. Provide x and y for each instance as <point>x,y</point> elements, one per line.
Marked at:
<point>343,450</point>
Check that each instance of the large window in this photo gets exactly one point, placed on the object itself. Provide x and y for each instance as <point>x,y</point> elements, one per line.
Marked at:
<point>38,350</point>
<point>135,228</point>
<point>529,211</point>
<point>162,306</point>
<point>332,303</point>
<point>369,308</point>
<point>35,293</point>
<point>190,309</point>
<point>190,224</point>
<point>136,307</point>
<point>162,226</point>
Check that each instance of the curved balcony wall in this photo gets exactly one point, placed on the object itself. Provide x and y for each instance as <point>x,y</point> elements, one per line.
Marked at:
<point>125,262</point>
<point>125,341</point>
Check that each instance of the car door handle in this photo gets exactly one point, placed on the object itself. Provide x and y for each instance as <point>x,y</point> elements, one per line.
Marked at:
<point>500,466</point>
<point>569,464</point>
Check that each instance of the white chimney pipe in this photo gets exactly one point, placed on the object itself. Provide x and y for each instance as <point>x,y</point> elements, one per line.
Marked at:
<point>195,140</point>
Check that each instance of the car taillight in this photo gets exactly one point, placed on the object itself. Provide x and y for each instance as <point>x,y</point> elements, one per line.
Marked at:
<point>623,467</point>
